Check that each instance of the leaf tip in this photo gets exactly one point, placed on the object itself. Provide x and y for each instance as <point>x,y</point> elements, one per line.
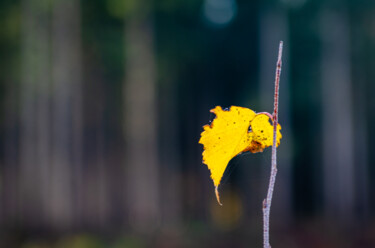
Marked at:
<point>217,195</point>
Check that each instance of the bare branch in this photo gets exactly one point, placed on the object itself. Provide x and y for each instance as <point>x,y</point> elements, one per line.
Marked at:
<point>267,202</point>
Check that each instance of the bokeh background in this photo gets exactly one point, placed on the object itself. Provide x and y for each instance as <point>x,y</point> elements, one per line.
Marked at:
<point>102,105</point>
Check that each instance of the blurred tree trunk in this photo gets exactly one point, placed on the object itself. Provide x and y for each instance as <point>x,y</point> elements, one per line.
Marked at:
<point>361,116</point>
<point>140,120</point>
<point>34,112</point>
<point>338,140</point>
<point>9,177</point>
<point>67,112</point>
<point>170,159</point>
<point>273,28</point>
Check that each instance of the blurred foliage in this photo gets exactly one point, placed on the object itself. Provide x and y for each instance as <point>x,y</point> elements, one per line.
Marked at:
<point>80,241</point>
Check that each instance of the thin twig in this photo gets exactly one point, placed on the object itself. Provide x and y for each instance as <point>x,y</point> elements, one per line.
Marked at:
<point>267,202</point>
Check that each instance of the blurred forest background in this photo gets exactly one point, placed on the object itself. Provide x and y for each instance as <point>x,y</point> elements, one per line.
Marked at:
<point>102,105</point>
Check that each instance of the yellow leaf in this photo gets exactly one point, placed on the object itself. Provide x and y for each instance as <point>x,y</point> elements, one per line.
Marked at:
<point>232,132</point>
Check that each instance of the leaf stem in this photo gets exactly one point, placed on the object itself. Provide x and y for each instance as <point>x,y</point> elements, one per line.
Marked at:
<point>266,113</point>
<point>267,202</point>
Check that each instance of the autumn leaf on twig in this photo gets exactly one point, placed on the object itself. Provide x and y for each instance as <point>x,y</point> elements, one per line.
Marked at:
<point>232,132</point>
